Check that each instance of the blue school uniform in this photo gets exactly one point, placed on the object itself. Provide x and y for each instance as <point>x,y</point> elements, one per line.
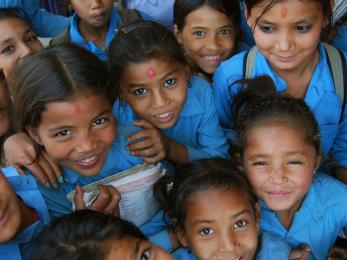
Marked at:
<point>321,97</point>
<point>340,40</point>
<point>197,127</point>
<point>44,23</point>
<point>272,247</point>
<point>117,160</point>
<point>318,221</point>
<point>21,246</point>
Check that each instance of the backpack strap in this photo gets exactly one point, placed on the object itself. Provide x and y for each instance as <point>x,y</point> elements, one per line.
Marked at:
<point>338,69</point>
<point>129,16</point>
<point>63,37</point>
<point>248,63</point>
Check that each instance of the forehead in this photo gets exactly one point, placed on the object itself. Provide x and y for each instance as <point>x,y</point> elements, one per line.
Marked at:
<point>123,248</point>
<point>12,26</point>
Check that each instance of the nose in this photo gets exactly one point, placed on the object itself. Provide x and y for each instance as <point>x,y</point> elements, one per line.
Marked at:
<point>86,143</point>
<point>25,49</point>
<point>212,43</point>
<point>96,4</point>
<point>285,41</point>
<point>228,242</point>
<point>277,175</point>
<point>160,99</point>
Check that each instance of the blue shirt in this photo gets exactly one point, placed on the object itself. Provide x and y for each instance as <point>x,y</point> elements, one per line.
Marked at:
<point>272,248</point>
<point>340,40</point>
<point>321,97</point>
<point>117,160</point>
<point>197,127</point>
<point>26,188</point>
<point>44,23</point>
<point>157,10</point>
<point>317,223</point>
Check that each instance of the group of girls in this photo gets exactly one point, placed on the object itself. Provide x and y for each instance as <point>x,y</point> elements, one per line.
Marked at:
<point>161,96</point>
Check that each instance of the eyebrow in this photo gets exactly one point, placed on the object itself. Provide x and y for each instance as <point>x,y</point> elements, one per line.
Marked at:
<point>10,39</point>
<point>141,84</point>
<point>137,248</point>
<point>305,20</point>
<point>246,211</point>
<point>67,126</point>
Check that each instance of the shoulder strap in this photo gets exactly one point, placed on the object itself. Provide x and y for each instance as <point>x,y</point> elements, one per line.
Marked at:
<point>338,68</point>
<point>129,16</point>
<point>63,37</point>
<point>248,63</point>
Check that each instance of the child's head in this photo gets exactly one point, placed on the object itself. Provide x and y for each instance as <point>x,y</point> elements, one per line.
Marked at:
<point>288,32</point>
<point>279,143</point>
<point>10,210</point>
<point>93,14</point>
<point>5,108</point>
<point>207,31</point>
<point>63,99</point>
<point>213,208</point>
<point>87,234</point>
<point>17,39</point>
<point>149,72</point>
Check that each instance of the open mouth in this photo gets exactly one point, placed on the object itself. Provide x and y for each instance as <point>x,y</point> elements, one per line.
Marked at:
<point>213,59</point>
<point>88,162</point>
<point>165,117</point>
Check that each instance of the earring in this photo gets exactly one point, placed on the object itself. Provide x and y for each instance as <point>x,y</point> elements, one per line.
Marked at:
<point>285,179</point>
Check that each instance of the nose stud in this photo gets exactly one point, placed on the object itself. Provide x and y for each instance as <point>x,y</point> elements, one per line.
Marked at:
<point>237,243</point>
<point>285,179</point>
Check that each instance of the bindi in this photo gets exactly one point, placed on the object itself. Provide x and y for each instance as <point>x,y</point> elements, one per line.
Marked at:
<point>284,12</point>
<point>151,72</point>
<point>78,109</point>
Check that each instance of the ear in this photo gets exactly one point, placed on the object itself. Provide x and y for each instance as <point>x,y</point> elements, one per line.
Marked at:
<point>248,17</point>
<point>178,34</point>
<point>181,236</point>
<point>257,215</point>
<point>318,160</point>
<point>33,133</point>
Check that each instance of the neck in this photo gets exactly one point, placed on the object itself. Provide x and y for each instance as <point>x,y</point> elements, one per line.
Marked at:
<point>27,216</point>
<point>95,35</point>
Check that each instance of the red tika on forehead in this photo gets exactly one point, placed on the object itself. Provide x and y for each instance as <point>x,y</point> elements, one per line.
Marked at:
<point>284,12</point>
<point>151,72</point>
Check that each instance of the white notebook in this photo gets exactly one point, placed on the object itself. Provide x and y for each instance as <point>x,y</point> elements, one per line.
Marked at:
<point>138,204</point>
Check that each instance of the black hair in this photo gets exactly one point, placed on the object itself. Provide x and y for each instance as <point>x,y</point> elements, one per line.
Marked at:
<point>6,13</point>
<point>174,191</point>
<point>259,103</point>
<point>231,8</point>
<point>52,75</point>
<point>83,234</point>
<point>323,4</point>
<point>141,42</point>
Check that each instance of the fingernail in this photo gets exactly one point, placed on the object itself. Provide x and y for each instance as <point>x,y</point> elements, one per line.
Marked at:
<point>55,186</point>
<point>61,179</point>
<point>48,185</point>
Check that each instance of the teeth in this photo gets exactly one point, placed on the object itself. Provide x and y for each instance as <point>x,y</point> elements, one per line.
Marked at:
<point>88,160</point>
<point>164,115</point>
<point>212,57</point>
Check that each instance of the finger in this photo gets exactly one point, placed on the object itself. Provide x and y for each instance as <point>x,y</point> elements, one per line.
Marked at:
<point>55,173</point>
<point>79,203</point>
<point>139,136</point>
<point>113,205</point>
<point>143,123</point>
<point>44,170</point>
<point>36,170</point>
<point>154,159</point>
<point>102,200</point>
<point>141,147</point>
<point>20,170</point>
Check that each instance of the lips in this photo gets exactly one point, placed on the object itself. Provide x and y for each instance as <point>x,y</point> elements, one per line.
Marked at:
<point>278,194</point>
<point>213,59</point>
<point>88,162</point>
<point>165,117</point>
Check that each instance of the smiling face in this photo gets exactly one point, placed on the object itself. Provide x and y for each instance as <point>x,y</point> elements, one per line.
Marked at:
<point>155,90</point>
<point>220,224</point>
<point>93,13</point>
<point>134,248</point>
<point>17,40</point>
<point>208,38</point>
<point>10,214</point>
<point>77,134</point>
<point>288,33</point>
<point>279,164</point>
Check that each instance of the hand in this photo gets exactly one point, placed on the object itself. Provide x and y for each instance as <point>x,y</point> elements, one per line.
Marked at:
<point>21,153</point>
<point>300,253</point>
<point>149,143</point>
<point>106,202</point>
<point>337,253</point>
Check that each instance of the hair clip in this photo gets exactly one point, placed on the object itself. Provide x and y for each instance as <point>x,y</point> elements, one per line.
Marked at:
<point>128,28</point>
<point>169,187</point>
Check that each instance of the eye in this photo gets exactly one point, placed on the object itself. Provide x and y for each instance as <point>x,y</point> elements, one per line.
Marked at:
<point>100,121</point>
<point>139,92</point>
<point>266,28</point>
<point>8,49</point>
<point>294,162</point>
<point>240,224</point>
<point>225,32</point>
<point>169,83</point>
<point>302,28</point>
<point>199,33</point>
<point>260,163</point>
<point>63,133</point>
<point>146,254</point>
<point>32,38</point>
<point>206,232</point>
